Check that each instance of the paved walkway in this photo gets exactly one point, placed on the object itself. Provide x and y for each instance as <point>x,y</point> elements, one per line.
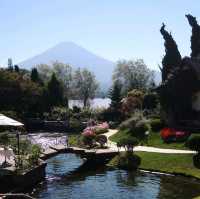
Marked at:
<point>113,146</point>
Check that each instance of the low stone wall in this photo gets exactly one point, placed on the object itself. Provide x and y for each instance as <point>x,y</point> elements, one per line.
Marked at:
<point>20,182</point>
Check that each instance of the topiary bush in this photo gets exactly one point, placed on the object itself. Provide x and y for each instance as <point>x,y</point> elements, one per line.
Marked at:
<point>140,130</point>
<point>156,125</point>
<point>101,139</point>
<point>75,125</point>
<point>128,124</point>
<point>194,144</point>
<point>128,143</point>
<point>99,131</point>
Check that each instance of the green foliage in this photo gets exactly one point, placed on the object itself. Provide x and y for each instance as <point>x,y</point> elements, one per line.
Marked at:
<point>111,114</point>
<point>128,143</point>
<point>20,94</point>
<point>127,160</point>
<point>100,131</point>
<point>88,140</point>
<point>4,139</point>
<point>139,130</point>
<point>195,38</point>
<point>129,123</point>
<point>115,96</point>
<point>156,125</point>
<point>74,140</point>
<point>55,94</point>
<point>58,113</point>
<point>85,85</point>
<point>25,146</point>
<point>172,58</point>
<point>35,75</point>
<point>75,125</point>
<point>132,103</point>
<point>132,74</point>
<point>194,143</point>
<point>16,68</point>
<point>34,155</point>
<point>150,101</point>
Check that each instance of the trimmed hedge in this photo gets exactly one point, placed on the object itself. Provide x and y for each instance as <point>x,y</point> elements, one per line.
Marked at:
<point>156,124</point>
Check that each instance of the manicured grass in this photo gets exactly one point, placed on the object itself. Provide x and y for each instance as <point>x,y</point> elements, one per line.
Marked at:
<point>154,140</point>
<point>170,163</point>
<point>119,135</point>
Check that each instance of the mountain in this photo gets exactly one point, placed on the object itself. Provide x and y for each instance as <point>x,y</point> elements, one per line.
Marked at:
<point>76,56</point>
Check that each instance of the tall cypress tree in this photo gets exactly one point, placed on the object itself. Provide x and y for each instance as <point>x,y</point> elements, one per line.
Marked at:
<point>54,92</point>
<point>172,59</point>
<point>115,96</point>
<point>34,75</point>
<point>195,38</point>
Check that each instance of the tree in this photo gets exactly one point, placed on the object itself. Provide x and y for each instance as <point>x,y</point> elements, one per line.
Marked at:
<point>115,96</point>
<point>35,75</point>
<point>195,38</point>
<point>172,59</point>
<point>64,74</point>
<point>84,85</point>
<point>16,67</point>
<point>20,94</point>
<point>132,102</point>
<point>45,72</point>
<point>54,92</point>
<point>10,64</point>
<point>132,74</point>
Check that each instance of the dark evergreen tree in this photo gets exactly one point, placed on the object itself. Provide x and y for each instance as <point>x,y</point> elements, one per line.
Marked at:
<point>16,67</point>
<point>195,38</point>
<point>35,75</point>
<point>54,92</point>
<point>172,58</point>
<point>115,96</point>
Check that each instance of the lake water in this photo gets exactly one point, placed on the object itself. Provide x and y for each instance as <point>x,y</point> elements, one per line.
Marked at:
<point>62,183</point>
<point>95,103</point>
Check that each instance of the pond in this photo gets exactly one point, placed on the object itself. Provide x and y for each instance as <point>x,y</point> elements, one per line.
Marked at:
<point>104,183</point>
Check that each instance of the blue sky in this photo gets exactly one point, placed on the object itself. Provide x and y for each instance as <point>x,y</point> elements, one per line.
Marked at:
<point>113,29</point>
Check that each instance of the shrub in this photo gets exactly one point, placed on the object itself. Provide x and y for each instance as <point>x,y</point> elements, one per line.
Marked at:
<point>88,140</point>
<point>4,139</point>
<point>168,135</point>
<point>150,101</point>
<point>75,125</point>
<point>102,140</point>
<point>128,143</point>
<point>34,155</point>
<point>194,143</point>
<point>156,125</point>
<point>128,124</point>
<point>100,131</point>
<point>140,128</point>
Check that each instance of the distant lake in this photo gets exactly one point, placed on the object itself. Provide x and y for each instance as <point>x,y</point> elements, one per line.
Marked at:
<point>95,103</point>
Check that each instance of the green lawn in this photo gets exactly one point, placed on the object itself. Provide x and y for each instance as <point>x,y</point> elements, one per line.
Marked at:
<point>153,140</point>
<point>120,134</point>
<point>156,141</point>
<point>170,163</point>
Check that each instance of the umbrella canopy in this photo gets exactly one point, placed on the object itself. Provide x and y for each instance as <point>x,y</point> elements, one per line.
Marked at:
<point>6,121</point>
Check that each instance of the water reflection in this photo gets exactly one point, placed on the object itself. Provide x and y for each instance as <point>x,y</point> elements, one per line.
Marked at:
<point>65,181</point>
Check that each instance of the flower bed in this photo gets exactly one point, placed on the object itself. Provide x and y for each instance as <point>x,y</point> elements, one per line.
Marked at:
<point>172,135</point>
<point>90,133</point>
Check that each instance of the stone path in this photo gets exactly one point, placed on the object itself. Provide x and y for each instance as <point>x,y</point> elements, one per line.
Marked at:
<point>113,146</point>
